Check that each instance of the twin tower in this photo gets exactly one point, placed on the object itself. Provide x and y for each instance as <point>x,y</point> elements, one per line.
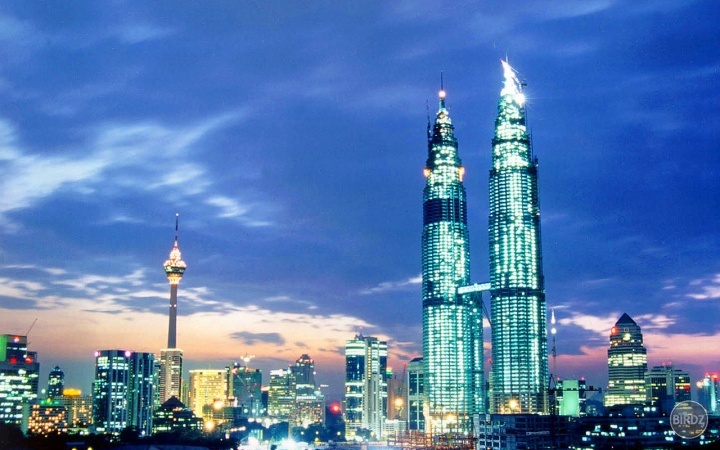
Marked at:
<point>455,385</point>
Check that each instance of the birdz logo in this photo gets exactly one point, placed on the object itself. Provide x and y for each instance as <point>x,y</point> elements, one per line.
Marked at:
<point>688,419</point>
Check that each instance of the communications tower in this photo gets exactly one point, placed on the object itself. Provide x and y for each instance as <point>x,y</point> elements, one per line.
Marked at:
<point>171,357</point>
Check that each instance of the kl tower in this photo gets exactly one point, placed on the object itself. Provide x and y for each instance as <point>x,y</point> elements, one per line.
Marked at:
<point>171,357</point>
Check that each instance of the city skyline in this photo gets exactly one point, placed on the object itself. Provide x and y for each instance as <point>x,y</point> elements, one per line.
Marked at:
<point>290,140</point>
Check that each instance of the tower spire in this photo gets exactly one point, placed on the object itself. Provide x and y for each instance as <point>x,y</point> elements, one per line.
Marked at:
<point>442,93</point>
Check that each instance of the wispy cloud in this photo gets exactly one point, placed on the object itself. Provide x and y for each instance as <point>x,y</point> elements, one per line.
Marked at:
<point>233,209</point>
<point>118,158</point>
<point>134,33</point>
<point>388,286</point>
<point>706,289</point>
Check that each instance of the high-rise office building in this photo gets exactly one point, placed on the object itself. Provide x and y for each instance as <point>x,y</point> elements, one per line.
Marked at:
<point>123,391</point>
<point>19,372</point>
<point>518,311</point>
<point>282,393</point>
<point>56,383</point>
<point>245,387</point>
<point>665,386</point>
<point>627,364</point>
<point>365,386</point>
<point>170,367</point>
<point>709,393</point>
<point>208,391</point>
<point>309,401</point>
<point>415,395</point>
<point>451,339</point>
<point>304,371</point>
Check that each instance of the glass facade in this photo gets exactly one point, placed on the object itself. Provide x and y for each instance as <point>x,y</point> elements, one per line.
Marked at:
<point>416,393</point>
<point>449,338</point>
<point>518,309</point>
<point>245,385</point>
<point>56,383</point>
<point>627,364</point>
<point>19,372</point>
<point>123,391</point>
<point>366,384</point>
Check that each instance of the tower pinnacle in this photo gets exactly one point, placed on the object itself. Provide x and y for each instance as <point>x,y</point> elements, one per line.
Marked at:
<point>175,266</point>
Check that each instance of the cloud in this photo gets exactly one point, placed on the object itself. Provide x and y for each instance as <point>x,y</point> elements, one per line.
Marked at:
<point>602,324</point>
<point>708,289</point>
<point>119,158</point>
<point>248,338</point>
<point>389,286</point>
<point>233,209</point>
<point>134,33</point>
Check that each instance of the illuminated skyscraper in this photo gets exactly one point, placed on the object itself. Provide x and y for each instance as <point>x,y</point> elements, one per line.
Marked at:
<point>208,391</point>
<point>19,372</point>
<point>304,371</point>
<point>365,386</point>
<point>170,376</point>
<point>245,386</point>
<point>450,338</point>
<point>282,392</point>
<point>56,383</point>
<point>123,391</point>
<point>709,393</point>
<point>415,395</point>
<point>518,311</point>
<point>665,386</point>
<point>627,364</point>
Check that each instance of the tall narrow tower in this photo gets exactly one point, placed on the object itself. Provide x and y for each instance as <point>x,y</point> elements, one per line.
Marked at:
<point>519,341</point>
<point>174,269</point>
<point>448,348</point>
<point>170,377</point>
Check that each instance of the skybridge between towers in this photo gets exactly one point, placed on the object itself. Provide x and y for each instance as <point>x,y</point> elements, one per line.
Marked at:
<point>474,293</point>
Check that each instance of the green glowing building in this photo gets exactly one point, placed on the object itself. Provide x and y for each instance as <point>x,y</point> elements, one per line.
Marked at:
<point>518,311</point>
<point>452,338</point>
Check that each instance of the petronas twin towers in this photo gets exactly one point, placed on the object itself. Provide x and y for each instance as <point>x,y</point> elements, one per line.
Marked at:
<point>455,386</point>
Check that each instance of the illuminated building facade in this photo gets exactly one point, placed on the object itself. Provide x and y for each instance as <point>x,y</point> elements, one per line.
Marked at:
<point>415,395</point>
<point>627,364</point>
<point>174,416</point>
<point>170,370</point>
<point>365,386</point>
<point>79,409</point>
<point>56,383</point>
<point>309,409</point>
<point>518,310</point>
<point>245,386</point>
<point>19,372</point>
<point>709,393</point>
<point>170,373</point>
<point>123,391</point>
<point>451,338</point>
<point>208,390</point>
<point>665,386</point>
<point>48,417</point>
<point>282,392</point>
<point>304,371</point>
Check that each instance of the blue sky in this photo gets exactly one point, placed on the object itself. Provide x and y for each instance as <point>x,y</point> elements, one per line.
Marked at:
<point>290,137</point>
